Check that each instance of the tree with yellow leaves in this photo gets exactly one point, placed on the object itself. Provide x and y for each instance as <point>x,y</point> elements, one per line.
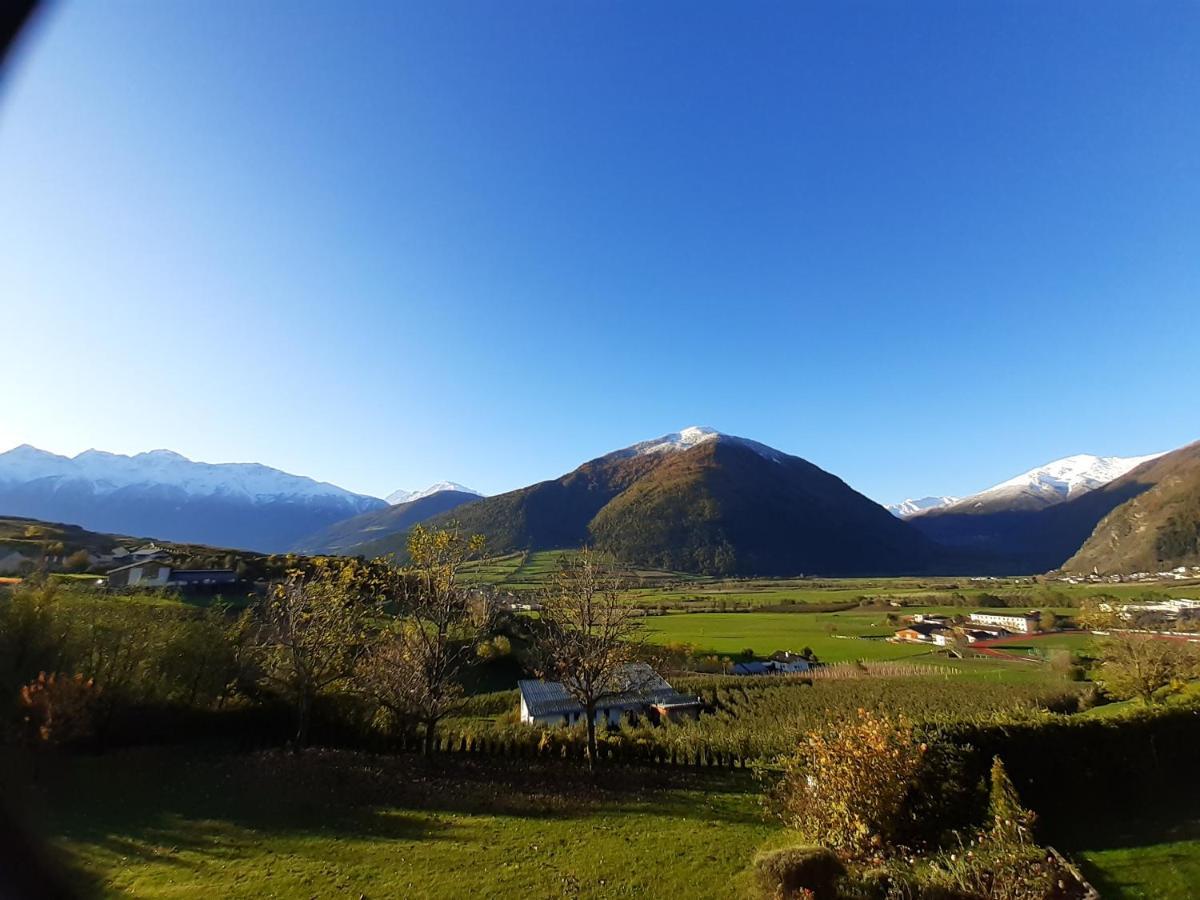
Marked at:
<point>848,785</point>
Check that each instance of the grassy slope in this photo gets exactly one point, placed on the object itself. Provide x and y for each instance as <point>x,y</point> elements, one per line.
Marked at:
<point>1157,529</point>
<point>153,824</point>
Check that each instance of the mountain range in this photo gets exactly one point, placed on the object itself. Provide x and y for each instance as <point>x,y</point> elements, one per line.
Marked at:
<point>1034,521</point>
<point>700,501</point>
<point>164,494</point>
<point>695,500</point>
<point>1055,482</point>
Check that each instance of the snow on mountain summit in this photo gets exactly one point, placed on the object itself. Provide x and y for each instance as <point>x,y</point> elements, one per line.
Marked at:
<point>1055,482</point>
<point>1068,477</point>
<point>677,440</point>
<point>107,472</point>
<point>911,507</point>
<point>402,496</point>
<point>693,436</point>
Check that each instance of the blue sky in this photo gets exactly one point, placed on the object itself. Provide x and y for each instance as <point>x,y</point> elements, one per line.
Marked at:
<point>923,245</point>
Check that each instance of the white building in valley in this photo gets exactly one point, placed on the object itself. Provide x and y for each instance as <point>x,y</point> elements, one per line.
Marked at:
<point>1020,623</point>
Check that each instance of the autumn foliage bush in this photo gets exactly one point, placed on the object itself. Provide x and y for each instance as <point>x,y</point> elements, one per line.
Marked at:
<point>848,786</point>
<point>59,709</point>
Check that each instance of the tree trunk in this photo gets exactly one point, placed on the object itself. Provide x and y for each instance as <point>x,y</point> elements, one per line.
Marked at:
<point>304,713</point>
<point>427,744</point>
<point>590,712</point>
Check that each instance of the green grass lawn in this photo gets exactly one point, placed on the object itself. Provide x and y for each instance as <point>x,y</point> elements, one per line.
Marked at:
<point>1146,849</point>
<point>171,823</point>
<point>1166,870</point>
<point>1188,694</point>
<point>1076,641</point>
<point>730,633</point>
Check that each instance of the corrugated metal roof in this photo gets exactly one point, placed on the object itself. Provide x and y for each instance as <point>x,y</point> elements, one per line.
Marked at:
<point>637,684</point>
<point>547,698</point>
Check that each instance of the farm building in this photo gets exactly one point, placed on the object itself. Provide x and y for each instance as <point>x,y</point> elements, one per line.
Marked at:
<point>148,573</point>
<point>1020,623</point>
<point>983,634</point>
<point>923,633</point>
<point>202,577</point>
<point>771,667</point>
<point>155,573</point>
<point>150,551</point>
<point>932,619</point>
<point>1171,609</point>
<point>639,691</point>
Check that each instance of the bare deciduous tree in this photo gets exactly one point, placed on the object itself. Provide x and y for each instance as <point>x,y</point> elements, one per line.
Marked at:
<point>313,629</point>
<point>587,635</point>
<point>413,669</point>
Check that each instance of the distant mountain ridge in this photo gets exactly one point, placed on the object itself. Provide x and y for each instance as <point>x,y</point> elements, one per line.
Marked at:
<point>1035,521</point>
<point>161,492</point>
<point>1055,482</point>
<point>910,507</point>
<point>698,500</point>
<point>359,534</point>
<point>403,496</point>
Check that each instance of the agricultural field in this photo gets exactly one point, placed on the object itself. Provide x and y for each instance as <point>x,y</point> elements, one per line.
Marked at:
<point>530,572</point>
<point>1042,645</point>
<point>834,637</point>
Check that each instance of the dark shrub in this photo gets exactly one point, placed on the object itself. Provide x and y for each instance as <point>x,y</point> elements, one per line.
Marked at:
<point>782,874</point>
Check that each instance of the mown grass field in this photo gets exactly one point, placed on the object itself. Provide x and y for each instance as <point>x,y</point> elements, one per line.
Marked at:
<point>834,636</point>
<point>1043,644</point>
<point>167,823</point>
<point>1150,851</point>
<point>162,823</point>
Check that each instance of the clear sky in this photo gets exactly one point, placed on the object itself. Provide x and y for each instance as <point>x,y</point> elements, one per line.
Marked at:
<point>923,245</point>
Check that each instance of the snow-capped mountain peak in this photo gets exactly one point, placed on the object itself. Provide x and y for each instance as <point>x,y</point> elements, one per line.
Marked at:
<point>1068,477</point>
<point>911,507</point>
<point>402,496</point>
<point>107,472</point>
<point>1055,482</point>
<point>678,440</point>
<point>693,436</point>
